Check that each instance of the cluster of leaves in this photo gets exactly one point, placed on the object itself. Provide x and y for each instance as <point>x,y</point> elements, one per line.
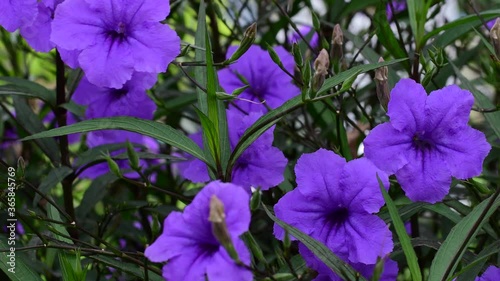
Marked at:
<point>453,238</point>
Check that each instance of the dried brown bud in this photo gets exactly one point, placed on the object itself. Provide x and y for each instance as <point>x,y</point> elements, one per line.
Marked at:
<point>217,217</point>
<point>337,35</point>
<point>321,65</point>
<point>381,81</point>
<point>495,37</point>
<point>337,51</point>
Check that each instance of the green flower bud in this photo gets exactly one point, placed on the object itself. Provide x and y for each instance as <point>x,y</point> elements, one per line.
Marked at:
<point>255,200</point>
<point>246,43</point>
<point>113,167</point>
<point>297,56</point>
<point>133,158</point>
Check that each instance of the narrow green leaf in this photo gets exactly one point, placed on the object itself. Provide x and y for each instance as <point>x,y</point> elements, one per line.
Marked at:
<point>55,176</point>
<point>411,257</point>
<point>53,214</point>
<point>23,87</point>
<point>27,119</point>
<point>158,131</point>
<point>23,267</point>
<point>493,118</point>
<point>417,10</point>
<point>450,253</point>
<point>337,265</point>
<point>210,134</point>
<point>129,268</point>
<point>471,271</point>
<point>94,193</point>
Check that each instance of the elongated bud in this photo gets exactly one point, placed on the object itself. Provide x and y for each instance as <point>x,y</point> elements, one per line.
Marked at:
<point>297,56</point>
<point>217,217</point>
<point>233,95</point>
<point>255,200</point>
<point>321,65</point>
<point>495,37</point>
<point>337,48</point>
<point>274,56</point>
<point>21,167</point>
<point>246,43</point>
<point>113,167</point>
<point>381,80</point>
<point>133,158</point>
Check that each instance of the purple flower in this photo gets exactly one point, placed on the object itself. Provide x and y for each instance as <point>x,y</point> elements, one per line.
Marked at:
<point>131,100</point>
<point>398,5</point>
<point>38,33</point>
<point>17,13</point>
<point>261,164</point>
<point>334,203</point>
<point>267,81</point>
<point>114,39</point>
<point>427,140</point>
<point>491,23</point>
<point>191,248</point>
<point>389,273</point>
<point>491,274</point>
<point>305,30</point>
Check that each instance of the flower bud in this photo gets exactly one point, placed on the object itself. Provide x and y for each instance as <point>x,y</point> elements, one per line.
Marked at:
<point>274,56</point>
<point>133,158</point>
<point>246,43</point>
<point>297,56</point>
<point>336,51</point>
<point>321,65</point>
<point>381,81</point>
<point>217,217</point>
<point>113,167</point>
<point>255,200</point>
<point>495,37</point>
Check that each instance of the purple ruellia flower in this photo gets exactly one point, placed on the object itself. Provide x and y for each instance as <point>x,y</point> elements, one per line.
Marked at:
<point>427,140</point>
<point>17,13</point>
<point>491,23</point>
<point>398,5</point>
<point>114,39</point>
<point>491,274</point>
<point>37,34</point>
<point>97,138</point>
<point>131,100</point>
<point>261,165</point>
<point>189,245</point>
<point>305,30</point>
<point>389,273</point>
<point>267,81</point>
<point>335,202</point>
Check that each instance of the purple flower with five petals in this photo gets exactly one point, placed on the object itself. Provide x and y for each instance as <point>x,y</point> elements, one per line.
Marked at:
<point>17,13</point>
<point>192,250</point>
<point>335,202</point>
<point>266,80</point>
<point>261,164</point>
<point>427,140</point>
<point>115,38</point>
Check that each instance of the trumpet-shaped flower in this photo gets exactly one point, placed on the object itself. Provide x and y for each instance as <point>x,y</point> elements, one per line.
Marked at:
<point>334,203</point>
<point>115,38</point>
<point>266,80</point>
<point>190,246</point>
<point>427,140</point>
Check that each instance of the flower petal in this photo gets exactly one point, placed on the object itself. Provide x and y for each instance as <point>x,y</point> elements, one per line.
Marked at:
<point>359,186</point>
<point>38,34</point>
<point>318,174</point>
<point>406,106</point>
<point>386,147</point>
<point>154,46</point>
<point>188,267</point>
<point>425,177</point>
<point>223,268</point>
<point>17,13</point>
<point>368,237</point>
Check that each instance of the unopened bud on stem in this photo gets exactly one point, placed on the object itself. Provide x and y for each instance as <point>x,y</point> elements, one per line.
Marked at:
<point>381,81</point>
<point>495,37</point>
<point>217,217</point>
<point>321,65</point>
<point>246,43</point>
<point>336,51</point>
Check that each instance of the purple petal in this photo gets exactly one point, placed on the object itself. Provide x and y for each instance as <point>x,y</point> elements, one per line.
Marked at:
<point>188,267</point>
<point>407,105</point>
<point>386,147</point>
<point>425,178</point>
<point>360,188</point>
<point>154,46</point>
<point>38,34</point>
<point>147,10</point>
<point>491,274</point>
<point>17,13</point>
<point>464,152</point>
<point>78,31</point>
<point>223,267</point>
<point>368,237</point>
<point>70,57</point>
<point>318,173</point>
<point>194,169</point>
<point>98,60</point>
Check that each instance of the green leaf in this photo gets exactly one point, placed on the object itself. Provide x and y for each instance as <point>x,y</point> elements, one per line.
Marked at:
<point>417,10</point>
<point>493,118</point>
<point>94,193</point>
<point>450,253</point>
<point>337,265</point>
<point>55,176</point>
<point>129,268</point>
<point>57,228</point>
<point>158,131</point>
<point>23,270</point>
<point>471,271</point>
<point>411,257</point>
<point>23,87</point>
<point>30,122</point>
<point>272,117</point>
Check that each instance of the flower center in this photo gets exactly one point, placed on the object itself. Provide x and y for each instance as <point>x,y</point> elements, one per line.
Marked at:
<point>119,32</point>
<point>338,216</point>
<point>422,143</point>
